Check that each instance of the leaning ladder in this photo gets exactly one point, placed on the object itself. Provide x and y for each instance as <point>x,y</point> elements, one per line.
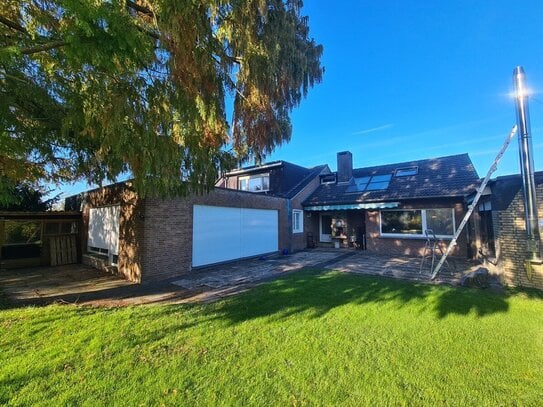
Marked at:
<point>473,205</point>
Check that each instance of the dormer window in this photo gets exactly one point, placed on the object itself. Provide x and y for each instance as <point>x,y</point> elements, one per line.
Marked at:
<point>328,179</point>
<point>254,183</point>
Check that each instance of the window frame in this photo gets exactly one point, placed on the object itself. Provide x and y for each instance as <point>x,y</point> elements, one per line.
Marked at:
<point>39,237</point>
<point>300,214</point>
<point>424,224</point>
<point>248,179</point>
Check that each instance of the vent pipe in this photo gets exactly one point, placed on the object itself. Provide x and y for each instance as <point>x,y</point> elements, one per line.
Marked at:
<point>527,166</point>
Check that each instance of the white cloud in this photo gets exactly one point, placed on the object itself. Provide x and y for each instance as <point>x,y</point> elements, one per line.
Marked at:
<point>373,129</point>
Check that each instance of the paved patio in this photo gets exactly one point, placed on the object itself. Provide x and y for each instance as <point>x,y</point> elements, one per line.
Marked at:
<point>78,284</point>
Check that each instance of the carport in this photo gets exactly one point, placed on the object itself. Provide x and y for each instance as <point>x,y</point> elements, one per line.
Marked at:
<point>39,238</point>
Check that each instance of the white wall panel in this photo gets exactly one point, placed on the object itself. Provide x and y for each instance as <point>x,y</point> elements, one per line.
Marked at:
<point>221,233</point>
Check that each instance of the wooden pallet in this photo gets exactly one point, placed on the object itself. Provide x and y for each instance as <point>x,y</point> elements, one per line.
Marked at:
<point>63,250</point>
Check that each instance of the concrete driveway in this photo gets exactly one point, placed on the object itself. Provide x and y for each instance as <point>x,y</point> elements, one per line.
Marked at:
<point>78,284</point>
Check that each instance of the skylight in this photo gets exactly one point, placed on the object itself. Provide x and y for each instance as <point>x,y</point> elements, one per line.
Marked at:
<point>373,183</point>
<point>406,172</point>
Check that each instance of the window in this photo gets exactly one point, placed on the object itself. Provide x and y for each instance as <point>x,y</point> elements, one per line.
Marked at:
<point>254,183</point>
<point>406,172</point>
<point>328,179</point>
<point>297,221</point>
<point>441,221</point>
<point>401,222</point>
<point>485,206</point>
<point>371,183</point>
<point>413,222</point>
<point>21,232</point>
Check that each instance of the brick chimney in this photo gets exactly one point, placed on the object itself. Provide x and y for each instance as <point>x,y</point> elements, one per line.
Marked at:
<point>344,166</point>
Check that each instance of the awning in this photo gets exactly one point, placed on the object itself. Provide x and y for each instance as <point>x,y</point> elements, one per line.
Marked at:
<point>374,205</point>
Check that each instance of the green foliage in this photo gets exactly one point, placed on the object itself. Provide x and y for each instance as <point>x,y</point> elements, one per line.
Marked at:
<point>24,197</point>
<point>93,89</point>
<point>330,339</point>
<point>22,232</point>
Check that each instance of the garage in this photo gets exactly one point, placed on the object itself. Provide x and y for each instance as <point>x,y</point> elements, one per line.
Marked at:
<point>223,233</point>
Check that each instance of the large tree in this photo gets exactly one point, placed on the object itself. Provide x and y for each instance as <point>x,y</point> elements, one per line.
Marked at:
<point>91,89</point>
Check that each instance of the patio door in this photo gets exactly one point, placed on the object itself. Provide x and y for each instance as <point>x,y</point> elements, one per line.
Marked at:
<point>325,228</point>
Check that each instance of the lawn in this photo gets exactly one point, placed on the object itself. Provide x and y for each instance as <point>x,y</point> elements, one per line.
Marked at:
<point>308,339</point>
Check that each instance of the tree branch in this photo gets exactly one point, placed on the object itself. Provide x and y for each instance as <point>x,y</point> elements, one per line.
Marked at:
<point>43,47</point>
<point>13,25</point>
<point>142,9</point>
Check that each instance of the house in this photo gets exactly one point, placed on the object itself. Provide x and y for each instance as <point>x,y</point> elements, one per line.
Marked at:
<point>388,208</point>
<point>283,207</point>
<point>499,230</point>
<point>147,239</point>
<point>285,180</point>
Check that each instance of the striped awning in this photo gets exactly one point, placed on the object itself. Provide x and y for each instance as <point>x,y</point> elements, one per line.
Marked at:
<point>373,205</point>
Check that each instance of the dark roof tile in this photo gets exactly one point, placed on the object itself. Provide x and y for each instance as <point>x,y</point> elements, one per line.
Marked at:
<point>451,176</point>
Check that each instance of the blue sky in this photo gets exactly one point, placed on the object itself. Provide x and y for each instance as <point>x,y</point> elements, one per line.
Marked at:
<point>410,80</point>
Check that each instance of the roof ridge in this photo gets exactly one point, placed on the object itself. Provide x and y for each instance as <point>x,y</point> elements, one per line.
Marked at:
<point>412,161</point>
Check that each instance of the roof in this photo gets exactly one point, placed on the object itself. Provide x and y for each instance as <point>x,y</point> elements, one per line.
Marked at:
<point>288,178</point>
<point>4,215</point>
<point>255,168</point>
<point>505,188</point>
<point>296,188</point>
<point>451,176</point>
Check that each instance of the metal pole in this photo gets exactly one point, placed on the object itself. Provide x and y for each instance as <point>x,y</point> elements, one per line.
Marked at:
<point>527,166</point>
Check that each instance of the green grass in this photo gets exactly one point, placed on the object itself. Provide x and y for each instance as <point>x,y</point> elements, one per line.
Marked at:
<point>307,339</point>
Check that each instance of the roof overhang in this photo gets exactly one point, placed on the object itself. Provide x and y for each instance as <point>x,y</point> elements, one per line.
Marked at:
<point>254,168</point>
<point>339,207</point>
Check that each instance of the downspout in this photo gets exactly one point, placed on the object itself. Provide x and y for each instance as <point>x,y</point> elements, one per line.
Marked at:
<point>289,223</point>
<point>527,170</point>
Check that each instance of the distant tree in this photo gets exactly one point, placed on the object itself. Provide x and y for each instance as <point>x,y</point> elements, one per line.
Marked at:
<point>26,197</point>
<point>92,89</point>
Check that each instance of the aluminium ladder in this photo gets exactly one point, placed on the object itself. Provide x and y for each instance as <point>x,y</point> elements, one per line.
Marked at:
<point>473,205</point>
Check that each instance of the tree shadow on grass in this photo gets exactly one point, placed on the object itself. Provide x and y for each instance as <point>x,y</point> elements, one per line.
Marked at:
<point>317,293</point>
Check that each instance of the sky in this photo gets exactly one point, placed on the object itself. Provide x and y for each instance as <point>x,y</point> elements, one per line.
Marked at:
<point>407,80</point>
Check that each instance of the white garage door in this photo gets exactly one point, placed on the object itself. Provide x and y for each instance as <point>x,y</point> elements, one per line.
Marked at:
<point>222,234</point>
<point>104,230</point>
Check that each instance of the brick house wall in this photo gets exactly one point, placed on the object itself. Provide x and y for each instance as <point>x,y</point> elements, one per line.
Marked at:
<point>370,219</point>
<point>413,246</point>
<point>510,238</point>
<point>167,248</point>
<point>131,233</point>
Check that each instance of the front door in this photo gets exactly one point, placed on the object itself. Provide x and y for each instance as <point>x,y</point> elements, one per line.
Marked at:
<point>325,228</point>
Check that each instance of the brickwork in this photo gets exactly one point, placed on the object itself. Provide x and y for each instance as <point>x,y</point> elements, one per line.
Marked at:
<point>131,233</point>
<point>510,236</point>
<point>412,246</point>
<point>167,249</point>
